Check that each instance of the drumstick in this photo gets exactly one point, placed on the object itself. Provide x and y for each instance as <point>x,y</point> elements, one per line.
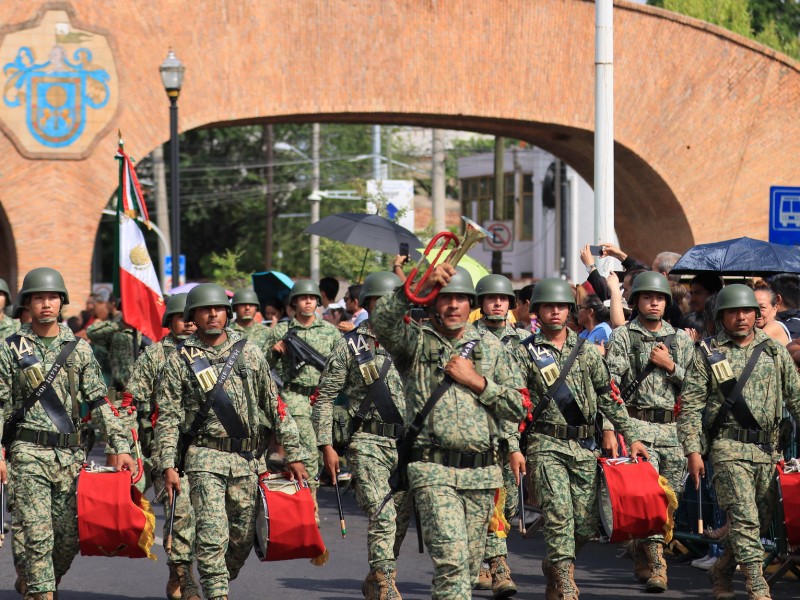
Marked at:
<point>700,508</point>
<point>2,513</point>
<point>522,528</point>
<point>168,541</point>
<point>341,514</point>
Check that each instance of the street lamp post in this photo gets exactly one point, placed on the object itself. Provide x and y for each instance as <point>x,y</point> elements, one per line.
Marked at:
<point>172,77</point>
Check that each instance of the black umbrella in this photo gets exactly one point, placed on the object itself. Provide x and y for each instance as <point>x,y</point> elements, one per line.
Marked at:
<point>368,231</point>
<point>740,256</point>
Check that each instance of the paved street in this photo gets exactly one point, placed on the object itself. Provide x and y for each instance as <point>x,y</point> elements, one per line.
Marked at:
<point>600,574</point>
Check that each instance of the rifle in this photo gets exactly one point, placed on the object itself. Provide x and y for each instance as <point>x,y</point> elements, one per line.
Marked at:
<point>301,354</point>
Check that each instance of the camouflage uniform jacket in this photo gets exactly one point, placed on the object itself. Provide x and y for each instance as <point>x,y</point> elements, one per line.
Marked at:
<point>588,380</point>
<point>145,377</point>
<point>320,335</point>
<point>773,383</point>
<point>256,333</point>
<point>88,382</point>
<point>123,344</point>
<point>8,326</point>
<point>179,397</point>
<point>510,337</point>
<point>342,374</point>
<point>461,420</point>
<point>659,389</point>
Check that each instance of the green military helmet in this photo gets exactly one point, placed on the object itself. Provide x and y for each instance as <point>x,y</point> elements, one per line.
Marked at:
<point>650,281</point>
<point>735,295</point>
<point>43,279</point>
<point>16,310</point>
<point>304,287</point>
<point>206,294</point>
<point>552,291</point>
<point>4,289</point>
<point>245,296</point>
<point>461,283</point>
<point>175,306</point>
<point>378,284</point>
<point>496,285</point>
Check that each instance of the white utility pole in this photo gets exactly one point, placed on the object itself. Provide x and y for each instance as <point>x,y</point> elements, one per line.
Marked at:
<point>604,122</point>
<point>438,181</point>
<point>315,199</point>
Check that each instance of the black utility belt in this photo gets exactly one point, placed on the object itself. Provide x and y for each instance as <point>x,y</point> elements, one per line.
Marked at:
<point>303,390</point>
<point>652,415</point>
<point>746,436</point>
<point>453,458</point>
<point>565,432</point>
<point>51,439</point>
<point>387,430</point>
<point>227,444</point>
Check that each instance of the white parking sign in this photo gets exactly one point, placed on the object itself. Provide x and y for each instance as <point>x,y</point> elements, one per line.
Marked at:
<point>503,232</point>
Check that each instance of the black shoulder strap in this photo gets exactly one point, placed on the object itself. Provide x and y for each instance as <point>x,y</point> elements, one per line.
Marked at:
<point>557,391</point>
<point>212,384</point>
<point>631,388</point>
<point>731,388</point>
<point>43,386</point>
<point>377,390</point>
<point>369,397</point>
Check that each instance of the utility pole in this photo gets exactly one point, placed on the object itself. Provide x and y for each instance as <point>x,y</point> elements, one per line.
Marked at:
<point>499,198</point>
<point>269,149</point>
<point>604,122</point>
<point>315,199</point>
<point>438,181</point>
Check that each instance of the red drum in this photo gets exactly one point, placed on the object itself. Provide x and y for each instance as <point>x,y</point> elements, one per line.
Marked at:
<point>285,525</point>
<point>635,502</point>
<point>789,490</point>
<point>114,519</point>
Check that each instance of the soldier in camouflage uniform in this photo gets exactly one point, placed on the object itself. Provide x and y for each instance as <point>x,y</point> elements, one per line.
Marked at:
<point>454,466</point>
<point>8,325</point>
<point>123,344</point>
<point>372,451</point>
<point>46,461</point>
<point>495,298</point>
<point>222,470</point>
<point>245,305</point>
<point>648,346</point>
<point>143,385</point>
<point>741,440</point>
<point>298,387</point>
<point>562,452</point>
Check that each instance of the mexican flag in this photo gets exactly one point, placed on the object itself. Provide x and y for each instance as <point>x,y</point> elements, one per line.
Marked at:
<point>135,283</point>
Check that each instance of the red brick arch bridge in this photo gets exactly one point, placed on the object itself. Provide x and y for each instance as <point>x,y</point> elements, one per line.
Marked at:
<point>705,120</point>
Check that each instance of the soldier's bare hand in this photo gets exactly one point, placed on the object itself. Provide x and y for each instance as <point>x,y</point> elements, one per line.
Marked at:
<point>639,451</point>
<point>3,472</point>
<point>280,347</point>
<point>660,357</point>
<point>112,460</point>
<point>697,468</point>
<point>331,461</point>
<point>516,460</point>
<point>440,275</point>
<point>693,333</point>
<point>463,371</point>
<point>610,444</point>
<point>297,470</point>
<point>126,460</point>
<point>172,483</point>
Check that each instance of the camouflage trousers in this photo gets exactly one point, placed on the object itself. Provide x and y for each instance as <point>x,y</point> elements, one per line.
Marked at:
<point>300,409</point>
<point>225,513</point>
<point>454,523</point>
<point>747,492</point>
<point>45,511</point>
<point>183,526</point>
<point>370,463</point>
<point>670,462</point>
<point>496,545</point>
<point>565,488</point>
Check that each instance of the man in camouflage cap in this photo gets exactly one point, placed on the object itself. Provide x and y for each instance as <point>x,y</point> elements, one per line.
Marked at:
<point>8,325</point>
<point>245,306</point>
<point>299,384</point>
<point>562,452</point>
<point>219,460</point>
<point>495,299</point>
<point>741,379</point>
<point>358,364</point>
<point>649,359</point>
<point>454,466</point>
<point>46,451</point>
<point>143,385</point>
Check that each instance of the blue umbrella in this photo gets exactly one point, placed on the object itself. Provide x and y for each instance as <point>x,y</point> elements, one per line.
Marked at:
<point>271,285</point>
<point>740,256</point>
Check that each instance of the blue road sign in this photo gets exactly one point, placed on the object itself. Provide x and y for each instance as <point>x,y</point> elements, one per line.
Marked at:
<point>181,267</point>
<point>784,215</point>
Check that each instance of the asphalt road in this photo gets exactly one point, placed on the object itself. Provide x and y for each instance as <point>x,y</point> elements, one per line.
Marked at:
<point>600,574</point>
